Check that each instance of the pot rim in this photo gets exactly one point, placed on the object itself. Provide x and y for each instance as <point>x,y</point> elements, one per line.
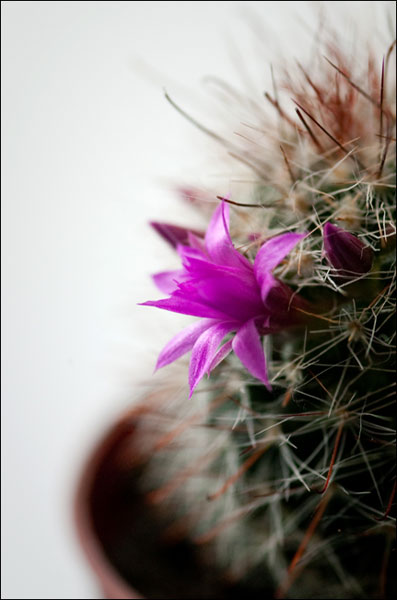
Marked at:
<point>113,584</point>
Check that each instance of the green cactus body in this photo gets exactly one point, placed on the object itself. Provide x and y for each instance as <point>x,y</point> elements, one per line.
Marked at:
<point>292,490</point>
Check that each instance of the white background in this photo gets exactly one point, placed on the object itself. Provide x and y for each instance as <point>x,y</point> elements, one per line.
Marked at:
<point>90,147</point>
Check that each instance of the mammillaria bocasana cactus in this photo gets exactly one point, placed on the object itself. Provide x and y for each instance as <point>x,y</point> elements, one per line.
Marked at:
<point>279,467</point>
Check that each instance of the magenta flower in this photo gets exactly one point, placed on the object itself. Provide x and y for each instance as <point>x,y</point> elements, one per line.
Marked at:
<point>231,295</point>
<point>345,252</point>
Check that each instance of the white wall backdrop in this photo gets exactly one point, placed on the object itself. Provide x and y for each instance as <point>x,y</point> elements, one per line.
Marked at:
<point>89,148</point>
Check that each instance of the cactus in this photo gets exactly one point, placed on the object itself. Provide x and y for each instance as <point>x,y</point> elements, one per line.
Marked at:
<point>280,467</point>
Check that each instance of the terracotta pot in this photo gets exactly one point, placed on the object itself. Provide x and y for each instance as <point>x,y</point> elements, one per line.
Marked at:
<point>122,533</point>
<point>92,502</point>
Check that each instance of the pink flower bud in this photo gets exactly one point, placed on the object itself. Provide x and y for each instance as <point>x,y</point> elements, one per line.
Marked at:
<point>345,252</point>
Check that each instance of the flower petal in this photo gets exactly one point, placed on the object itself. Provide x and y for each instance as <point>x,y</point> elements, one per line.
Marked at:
<point>185,306</point>
<point>248,347</point>
<point>220,355</point>
<point>202,268</point>
<point>173,234</point>
<point>182,342</point>
<point>188,253</point>
<point>218,241</point>
<point>238,299</point>
<point>273,251</point>
<point>196,242</point>
<point>204,351</point>
<point>167,281</point>
<point>267,283</point>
